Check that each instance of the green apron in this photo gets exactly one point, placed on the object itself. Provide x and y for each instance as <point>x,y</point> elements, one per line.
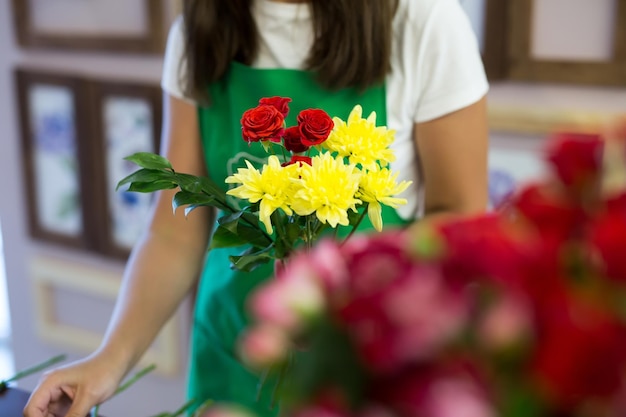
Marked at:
<point>215,372</point>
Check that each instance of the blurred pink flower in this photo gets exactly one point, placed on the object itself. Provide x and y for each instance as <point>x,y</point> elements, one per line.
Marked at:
<point>457,398</point>
<point>295,296</point>
<point>263,345</point>
<point>506,323</point>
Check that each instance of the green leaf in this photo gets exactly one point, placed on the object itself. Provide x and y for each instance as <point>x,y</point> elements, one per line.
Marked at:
<point>149,160</point>
<point>293,231</point>
<point>193,184</point>
<point>244,215</point>
<point>251,259</point>
<point>224,238</point>
<point>355,217</point>
<point>150,187</point>
<point>146,176</point>
<point>236,233</point>
<point>185,198</point>
<point>196,184</point>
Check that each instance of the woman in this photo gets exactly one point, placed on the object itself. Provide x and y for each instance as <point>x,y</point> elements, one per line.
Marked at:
<point>414,62</point>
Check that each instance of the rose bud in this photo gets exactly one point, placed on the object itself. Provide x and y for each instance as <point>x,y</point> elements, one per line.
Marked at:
<point>293,140</point>
<point>281,104</point>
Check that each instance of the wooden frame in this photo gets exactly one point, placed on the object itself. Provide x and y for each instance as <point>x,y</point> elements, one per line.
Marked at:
<point>495,48</point>
<point>488,19</point>
<point>51,274</point>
<point>30,36</point>
<point>66,119</point>
<point>524,67</point>
<point>544,121</point>
<point>126,119</point>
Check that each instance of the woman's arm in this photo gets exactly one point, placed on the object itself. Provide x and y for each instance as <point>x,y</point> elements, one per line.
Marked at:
<point>166,262</point>
<point>162,269</point>
<point>453,158</point>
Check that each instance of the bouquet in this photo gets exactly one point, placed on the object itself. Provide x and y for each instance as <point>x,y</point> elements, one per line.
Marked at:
<point>324,173</point>
<point>518,313</point>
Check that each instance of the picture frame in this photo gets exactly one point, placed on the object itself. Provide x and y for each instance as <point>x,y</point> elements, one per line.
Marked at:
<point>534,120</point>
<point>52,276</point>
<point>525,66</point>
<point>100,25</point>
<point>489,21</point>
<point>54,124</point>
<point>495,47</point>
<point>126,119</point>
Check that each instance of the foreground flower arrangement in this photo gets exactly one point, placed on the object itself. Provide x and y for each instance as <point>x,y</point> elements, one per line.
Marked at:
<point>519,313</point>
<point>322,173</point>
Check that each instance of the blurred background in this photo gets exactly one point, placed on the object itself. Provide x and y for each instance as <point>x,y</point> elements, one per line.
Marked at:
<point>87,74</point>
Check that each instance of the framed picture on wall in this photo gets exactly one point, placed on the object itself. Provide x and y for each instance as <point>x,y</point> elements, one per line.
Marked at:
<point>111,25</point>
<point>489,21</point>
<point>127,119</point>
<point>569,41</point>
<point>54,126</point>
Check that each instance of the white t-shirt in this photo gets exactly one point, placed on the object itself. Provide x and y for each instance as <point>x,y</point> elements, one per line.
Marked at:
<point>436,67</point>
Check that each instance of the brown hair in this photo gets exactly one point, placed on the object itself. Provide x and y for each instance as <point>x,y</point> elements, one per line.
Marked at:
<point>352,45</point>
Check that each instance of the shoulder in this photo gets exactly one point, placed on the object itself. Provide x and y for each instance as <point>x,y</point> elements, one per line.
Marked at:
<point>176,33</point>
<point>418,15</point>
<point>174,65</point>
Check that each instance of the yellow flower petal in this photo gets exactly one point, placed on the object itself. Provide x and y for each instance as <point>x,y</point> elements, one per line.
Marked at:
<point>375,214</point>
<point>273,187</point>
<point>361,140</point>
<point>378,187</point>
<point>327,188</point>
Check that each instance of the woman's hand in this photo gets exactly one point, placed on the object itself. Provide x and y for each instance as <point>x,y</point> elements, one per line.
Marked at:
<point>72,391</point>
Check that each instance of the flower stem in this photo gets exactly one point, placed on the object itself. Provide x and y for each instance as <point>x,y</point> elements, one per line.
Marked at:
<point>182,409</point>
<point>261,383</point>
<point>280,231</point>
<point>135,378</point>
<point>309,235</point>
<point>356,226</point>
<point>126,385</point>
<point>4,385</point>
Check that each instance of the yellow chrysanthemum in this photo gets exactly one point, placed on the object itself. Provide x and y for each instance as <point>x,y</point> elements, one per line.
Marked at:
<point>360,140</point>
<point>272,187</point>
<point>327,188</point>
<point>379,186</point>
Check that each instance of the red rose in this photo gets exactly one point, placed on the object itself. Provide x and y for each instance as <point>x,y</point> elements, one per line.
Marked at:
<point>580,354</point>
<point>297,159</point>
<point>577,160</point>
<point>554,215</point>
<point>293,140</point>
<point>315,126</point>
<point>608,235</point>
<point>281,104</point>
<point>485,246</point>
<point>263,122</point>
